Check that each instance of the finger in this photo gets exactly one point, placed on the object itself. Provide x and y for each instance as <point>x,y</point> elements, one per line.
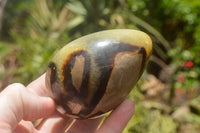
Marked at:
<point>85,126</point>
<point>25,127</point>
<point>38,86</point>
<point>17,103</point>
<point>117,120</point>
<point>56,123</point>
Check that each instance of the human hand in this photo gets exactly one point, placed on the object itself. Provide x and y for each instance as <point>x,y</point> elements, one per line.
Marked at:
<point>20,106</point>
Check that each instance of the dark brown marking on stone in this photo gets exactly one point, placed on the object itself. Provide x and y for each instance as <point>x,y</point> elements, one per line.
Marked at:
<point>105,61</point>
<point>53,72</point>
<point>144,58</point>
<point>67,74</point>
<point>52,82</point>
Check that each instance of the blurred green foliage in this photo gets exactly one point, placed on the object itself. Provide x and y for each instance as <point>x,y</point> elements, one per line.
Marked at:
<point>34,30</point>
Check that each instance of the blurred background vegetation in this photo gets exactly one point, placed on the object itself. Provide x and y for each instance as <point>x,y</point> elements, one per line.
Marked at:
<point>167,96</point>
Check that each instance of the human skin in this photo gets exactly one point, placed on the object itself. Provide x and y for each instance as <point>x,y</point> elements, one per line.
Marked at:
<point>20,106</point>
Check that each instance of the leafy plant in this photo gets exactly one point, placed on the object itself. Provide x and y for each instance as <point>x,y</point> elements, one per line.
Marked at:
<point>33,30</point>
<point>44,31</point>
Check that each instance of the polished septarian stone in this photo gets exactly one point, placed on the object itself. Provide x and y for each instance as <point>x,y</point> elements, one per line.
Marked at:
<point>93,74</point>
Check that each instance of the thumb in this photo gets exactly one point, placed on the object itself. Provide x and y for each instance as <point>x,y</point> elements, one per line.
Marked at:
<point>17,103</point>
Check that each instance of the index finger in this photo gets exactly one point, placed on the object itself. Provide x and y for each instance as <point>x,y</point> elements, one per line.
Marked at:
<point>55,122</point>
<point>38,86</point>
